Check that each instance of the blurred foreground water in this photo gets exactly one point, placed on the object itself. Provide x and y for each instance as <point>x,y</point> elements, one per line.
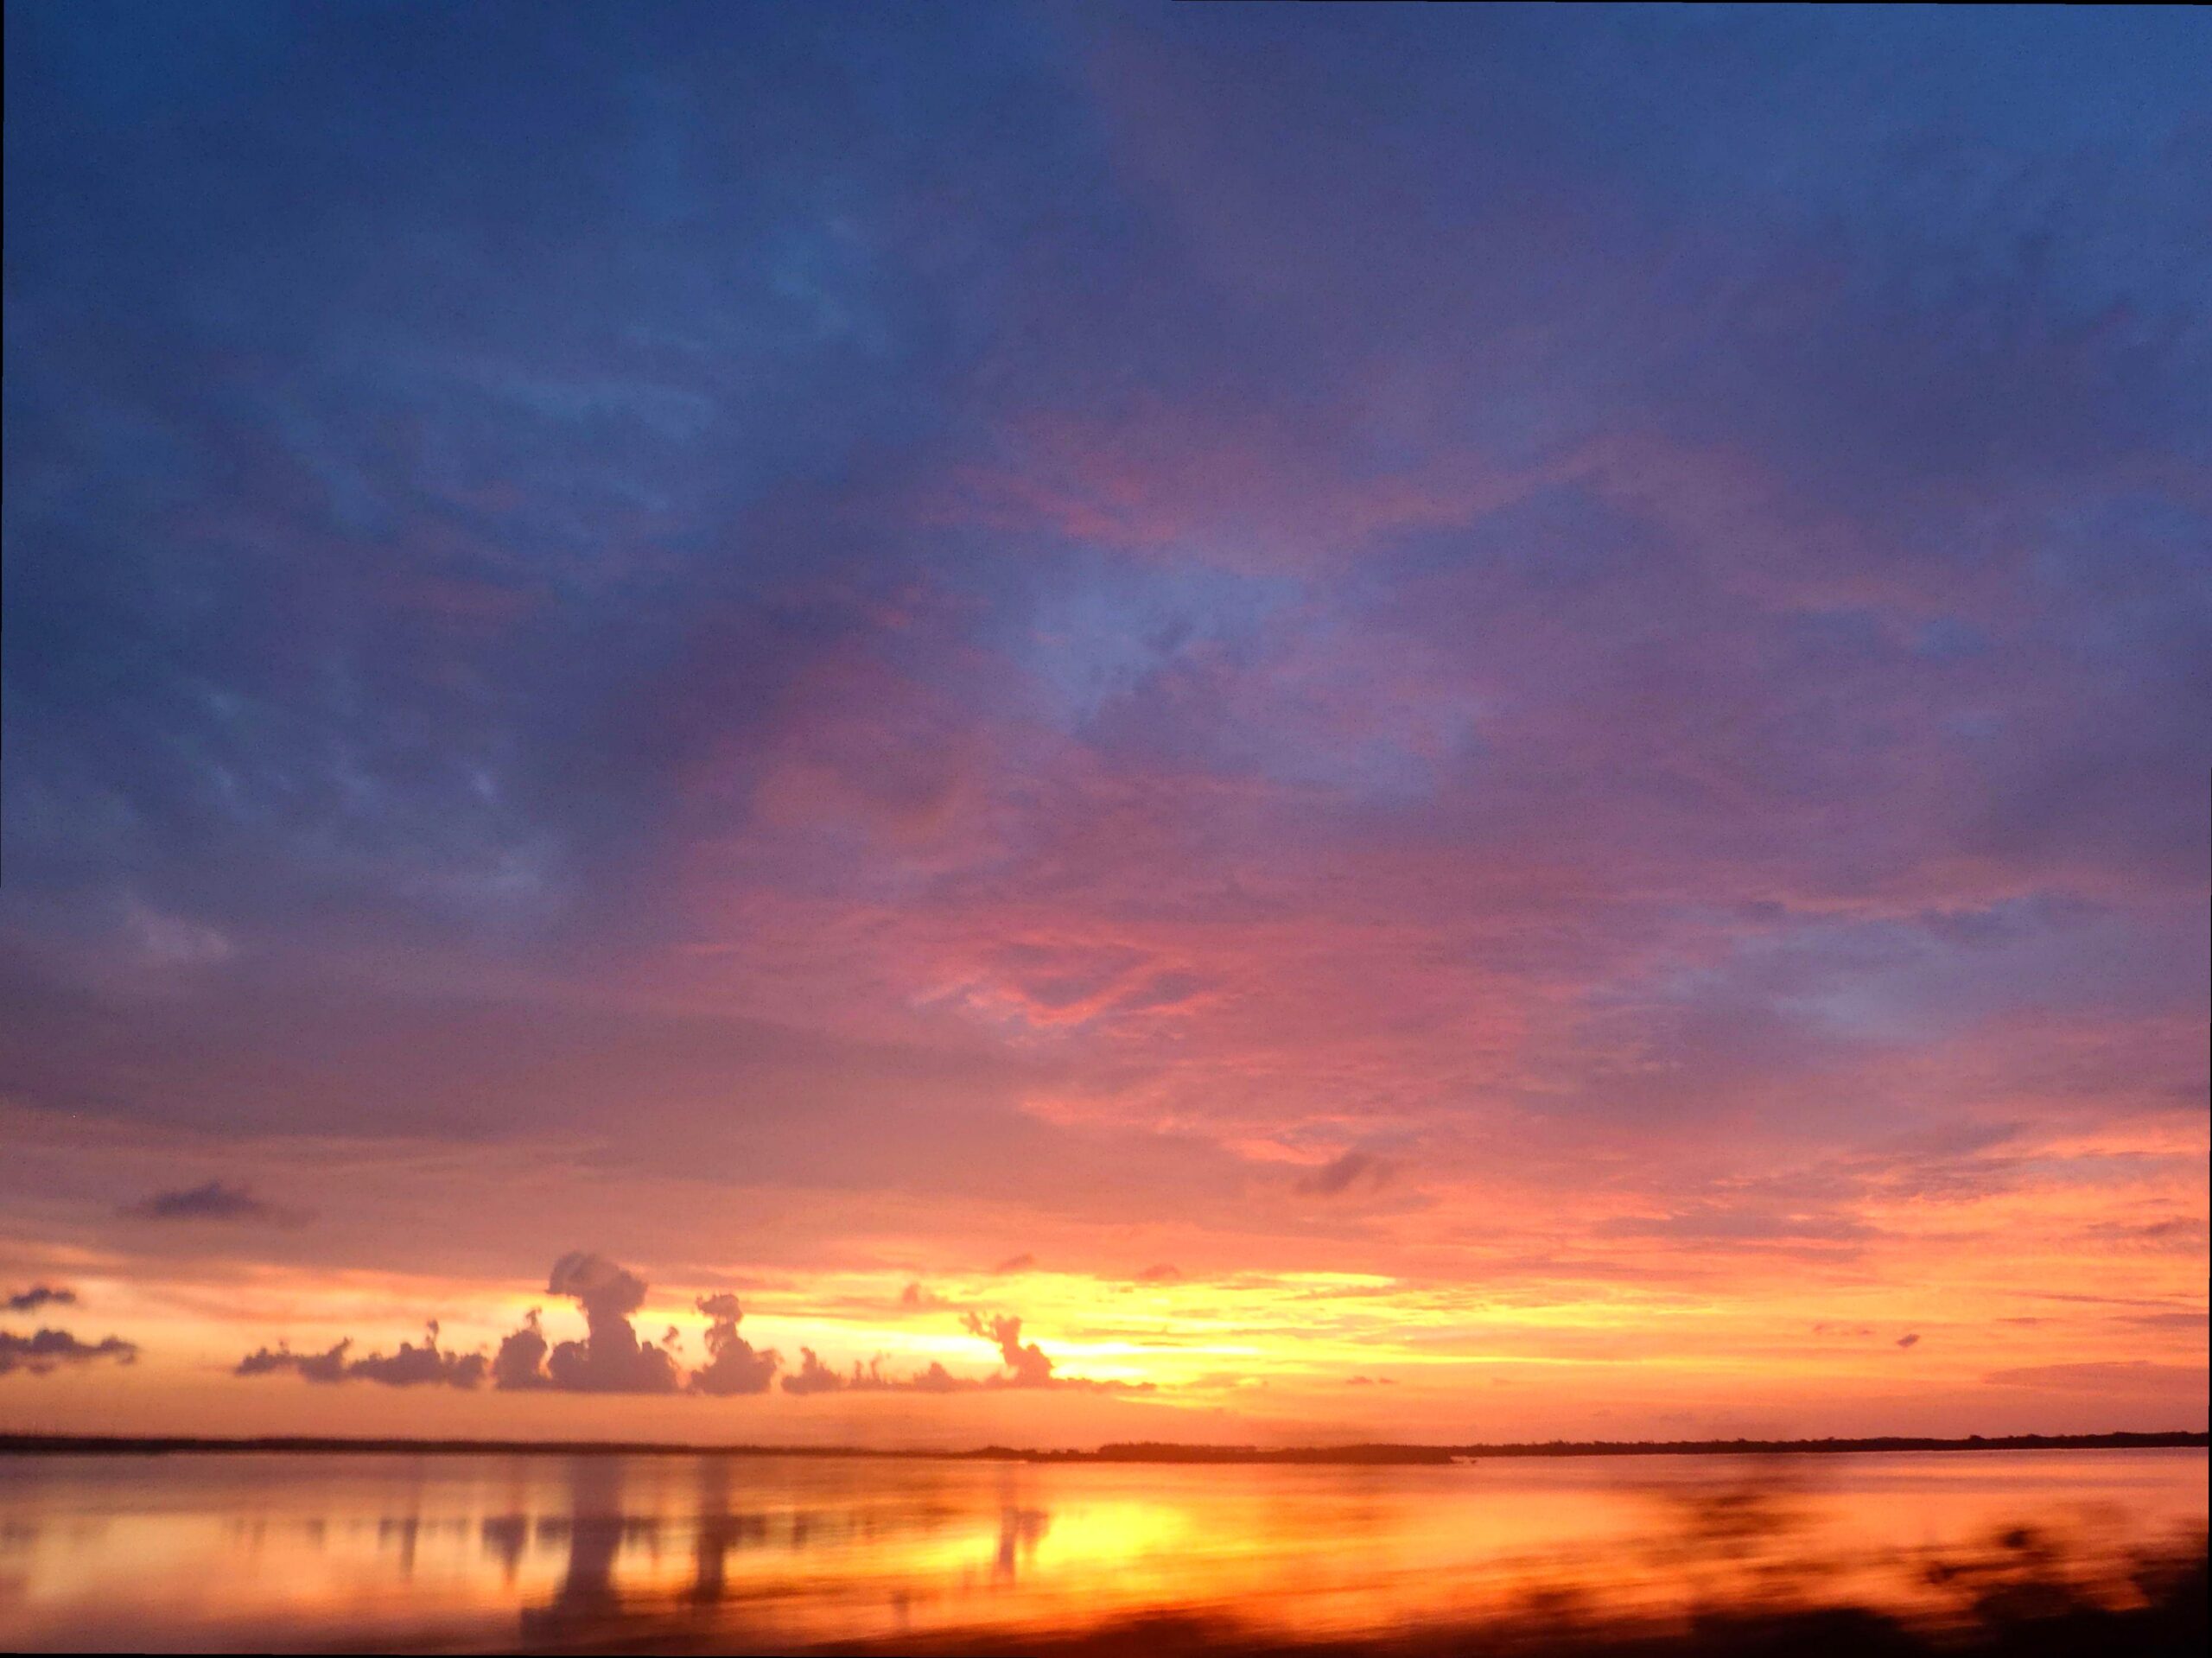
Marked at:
<point>2012,1551</point>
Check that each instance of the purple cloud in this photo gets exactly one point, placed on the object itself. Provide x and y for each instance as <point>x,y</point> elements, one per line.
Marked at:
<point>46,1349</point>
<point>610,1358</point>
<point>734,1365</point>
<point>999,661</point>
<point>40,1295</point>
<point>410,1366</point>
<point>1341,1174</point>
<point>213,1200</point>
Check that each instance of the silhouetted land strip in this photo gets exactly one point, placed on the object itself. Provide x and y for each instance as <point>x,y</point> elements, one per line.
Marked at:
<point>1384,1455</point>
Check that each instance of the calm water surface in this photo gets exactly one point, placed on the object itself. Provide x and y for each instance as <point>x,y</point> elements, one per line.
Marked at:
<point>183,1552</point>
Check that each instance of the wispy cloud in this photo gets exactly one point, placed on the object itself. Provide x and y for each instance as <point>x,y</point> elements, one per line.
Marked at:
<point>48,1350</point>
<point>40,1295</point>
<point>1617,727</point>
<point>213,1200</point>
<point>1344,1174</point>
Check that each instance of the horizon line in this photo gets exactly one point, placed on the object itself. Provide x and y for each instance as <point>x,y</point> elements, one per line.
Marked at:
<point>1120,1451</point>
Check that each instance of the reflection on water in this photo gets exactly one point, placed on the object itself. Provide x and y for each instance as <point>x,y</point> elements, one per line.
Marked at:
<point>680,1551</point>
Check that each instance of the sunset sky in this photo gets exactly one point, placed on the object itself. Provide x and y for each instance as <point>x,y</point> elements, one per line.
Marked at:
<point>1411,725</point>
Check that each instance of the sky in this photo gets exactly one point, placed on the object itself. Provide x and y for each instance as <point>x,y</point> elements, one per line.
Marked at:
<point>954,725</point>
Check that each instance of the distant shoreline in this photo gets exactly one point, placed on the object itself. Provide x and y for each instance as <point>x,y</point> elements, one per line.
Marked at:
<point>36,1445</point>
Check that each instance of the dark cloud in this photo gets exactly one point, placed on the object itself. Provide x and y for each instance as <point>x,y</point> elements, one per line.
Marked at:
<point>734,1365</point>
<point>329,1366</point>
<point>215,1200</point>
<point>1911,1339</point>
<point>1020,1263</point>
<point>813,1377</point>
<point>1341,1174</point>
<point>1160,1273</point>
<point>1369,1381</point>
<point>411,1366</point>
<point>520,1362</point>
<point>602,1289</point>
<point>40,1295</point>
<point>919,1297</point>
<point>610,1358</point>
<point>44,1351</point>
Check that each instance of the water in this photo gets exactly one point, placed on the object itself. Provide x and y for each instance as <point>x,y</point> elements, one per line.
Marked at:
<point>676,1552</point>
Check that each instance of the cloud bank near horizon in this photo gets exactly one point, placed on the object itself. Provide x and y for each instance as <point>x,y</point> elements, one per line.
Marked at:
<point>612,1359</point>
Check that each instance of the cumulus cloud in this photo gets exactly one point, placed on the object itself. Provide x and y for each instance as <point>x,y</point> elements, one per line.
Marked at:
<point>919,1297</point>
<point>813,1377</point>
<point>1342,1174</point>
<point>330,1366</point>
<point>42,1352</point>
<point>599,1286</point>
<point>1028,1366</point>
<point>41,1295</point>
<point>610,1358</point>
<point>413,1366</point>
<point>215,1200</point>
<point>520,1362</point>
<point>428,1365</point>
<point>734,1365</point>
<point>1023,1365</point>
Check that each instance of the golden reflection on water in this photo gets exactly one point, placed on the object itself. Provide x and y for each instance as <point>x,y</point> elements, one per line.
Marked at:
<point>496,1550</point>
